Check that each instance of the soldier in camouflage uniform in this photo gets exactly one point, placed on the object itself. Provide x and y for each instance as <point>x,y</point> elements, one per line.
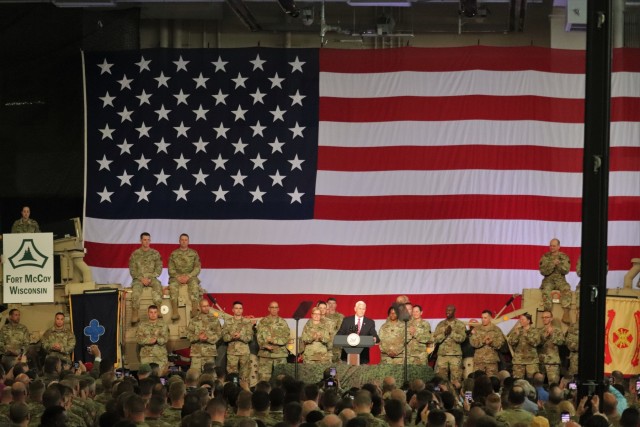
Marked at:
<point>571,341</point>
<point>152,337</point>
<point>25,224</point>
<point>184,267</point>
<point>14,339</point>
<point>322,305</point>
<point>487,339</point>
<point>145,265</point>
<point>449,334</point>
<point>554,266</point>
<point>273,335</point>
<point>419,336</point>
<point>552,337</point>
<point>316,335</point>
<point>337,319</point>
<point>203,332</point>
<point>524,339</point>
<point>238,332</point>
<point>58,340</point>
<point>392,339</point>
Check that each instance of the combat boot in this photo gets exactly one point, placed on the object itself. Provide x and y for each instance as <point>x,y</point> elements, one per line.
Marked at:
<point>174,310</point>
<point>135,318</point>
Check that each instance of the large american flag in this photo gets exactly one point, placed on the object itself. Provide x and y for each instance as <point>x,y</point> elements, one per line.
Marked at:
<point>305,173</point>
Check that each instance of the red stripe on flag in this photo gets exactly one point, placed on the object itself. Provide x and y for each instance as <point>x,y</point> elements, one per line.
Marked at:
<point>433,305</point>
<point>487,157</point>
<point>446,108</point>
<point>453,59</point>
<point>472,206</point>
<point>334,257</point>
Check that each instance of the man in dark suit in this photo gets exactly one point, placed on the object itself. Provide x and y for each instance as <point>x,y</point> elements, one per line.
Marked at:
<point>360,325</point>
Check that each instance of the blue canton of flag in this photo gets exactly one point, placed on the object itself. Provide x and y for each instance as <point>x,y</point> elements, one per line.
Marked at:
<point>202,134</point>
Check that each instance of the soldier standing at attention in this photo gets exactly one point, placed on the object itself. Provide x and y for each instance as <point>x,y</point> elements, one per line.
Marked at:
<point>58,340</point>
<point>25,224</point>
<point>419,336</point>
<point>145,265</point>
<point>316,335</point>
<point>392,339</point>
<point>238,332</point>
<point>273,336</point>
<point>449,334</point>
<point>552,337</point>
<point>14,339</point>
<point>554,266</point>
<point>152,336</point>
<point>337,319</point>
<point>487,339</point>
<point>203,332</point>
<point>524,338</point>
<point>184,267</point>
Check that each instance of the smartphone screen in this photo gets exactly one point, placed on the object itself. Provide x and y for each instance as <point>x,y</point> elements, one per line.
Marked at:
<point>573,386</point>
<point>565,417</point>
<point>467,396</point>
<point>638,386</point>
<point>163,381</point>
<point>332,372</point>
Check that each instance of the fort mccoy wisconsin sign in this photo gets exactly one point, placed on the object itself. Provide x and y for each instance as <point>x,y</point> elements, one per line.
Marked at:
<point>28,267</point>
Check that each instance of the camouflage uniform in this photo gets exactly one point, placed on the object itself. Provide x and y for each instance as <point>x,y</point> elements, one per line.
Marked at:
<point>156,422</point>
<point>549,356</point>
<point>185,262</point>
<point>337,319</point>
<point>36,409</point>
<point>156,352</point>
<point>203,351</point>
<point>370,420</point>
<point>554,279</point>
<point>62,336</point>
<point>449,351</point>
<point>13,337</point>
<point>277,331</point>
<point>317,350</point>
<point>525,353</point>
<point>485,357</point>
<point>73,419</point>
<point>146,264</point>
<point>172,416</point>
<point>417,346</point>
<point>392,340</point>
<point>571,340</point>
<point>28,226</point>
<point>238,353</point>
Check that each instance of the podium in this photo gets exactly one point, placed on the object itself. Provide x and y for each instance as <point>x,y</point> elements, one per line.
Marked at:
<point>353,350</point>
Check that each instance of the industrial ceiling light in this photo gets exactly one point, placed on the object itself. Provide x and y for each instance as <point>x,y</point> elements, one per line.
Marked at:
<point>289,7</point>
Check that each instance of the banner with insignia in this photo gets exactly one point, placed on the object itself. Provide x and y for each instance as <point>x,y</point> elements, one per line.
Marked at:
<point>621,335</point>
<point>95,318</point>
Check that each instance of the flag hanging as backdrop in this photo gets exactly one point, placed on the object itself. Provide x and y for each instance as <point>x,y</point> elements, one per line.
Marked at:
<point>95,320</point>
<point>305,173</point>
